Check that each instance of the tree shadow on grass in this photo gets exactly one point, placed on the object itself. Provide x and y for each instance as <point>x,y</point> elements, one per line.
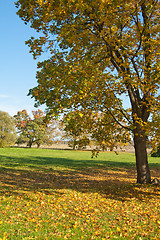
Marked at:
<point>38,162</point>
<point>115,180</point>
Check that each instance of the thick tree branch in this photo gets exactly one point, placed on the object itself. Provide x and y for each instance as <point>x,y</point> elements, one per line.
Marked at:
<point>119,123</point>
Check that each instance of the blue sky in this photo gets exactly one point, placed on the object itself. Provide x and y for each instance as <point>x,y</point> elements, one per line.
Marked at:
<point>17,67</point>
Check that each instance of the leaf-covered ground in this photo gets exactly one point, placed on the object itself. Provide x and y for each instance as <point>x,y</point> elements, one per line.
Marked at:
<point>46,194</point>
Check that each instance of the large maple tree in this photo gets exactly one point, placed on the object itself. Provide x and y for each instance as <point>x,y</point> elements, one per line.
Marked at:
<point>101,51</point>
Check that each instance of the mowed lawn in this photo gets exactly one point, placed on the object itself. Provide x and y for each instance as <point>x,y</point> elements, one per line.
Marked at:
<point>59,194</point>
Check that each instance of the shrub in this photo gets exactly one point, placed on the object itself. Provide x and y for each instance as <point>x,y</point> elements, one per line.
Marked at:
<point>156,153</point>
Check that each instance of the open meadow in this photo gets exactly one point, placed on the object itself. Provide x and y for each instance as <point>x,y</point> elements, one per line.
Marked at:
<point>62,194</point>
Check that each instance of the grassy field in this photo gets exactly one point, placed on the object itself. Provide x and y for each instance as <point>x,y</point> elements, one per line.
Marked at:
<point>57,194</point>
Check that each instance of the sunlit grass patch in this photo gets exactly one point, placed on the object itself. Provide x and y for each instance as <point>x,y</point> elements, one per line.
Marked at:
<point>46,194</point>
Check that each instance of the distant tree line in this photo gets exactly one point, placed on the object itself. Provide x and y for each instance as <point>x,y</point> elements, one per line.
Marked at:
<point>77,128</point>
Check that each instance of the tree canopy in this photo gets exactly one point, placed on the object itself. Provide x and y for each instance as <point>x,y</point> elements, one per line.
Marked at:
<point>7,130</point>
<point>101,51</point>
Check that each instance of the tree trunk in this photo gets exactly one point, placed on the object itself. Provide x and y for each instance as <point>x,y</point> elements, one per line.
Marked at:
<point>143,171</point>
<point>38,145</point>
<point>29,144</point>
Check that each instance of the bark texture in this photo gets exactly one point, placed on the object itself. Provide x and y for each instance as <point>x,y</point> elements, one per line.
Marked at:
<point>143,171</point>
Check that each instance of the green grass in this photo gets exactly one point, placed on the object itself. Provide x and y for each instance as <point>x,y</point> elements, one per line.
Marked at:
<point>46,158</point>
<point>20,157</point>
<point>57,194</point>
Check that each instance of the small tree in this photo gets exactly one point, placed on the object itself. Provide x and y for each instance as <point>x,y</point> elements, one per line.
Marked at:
<point>7,130</point>
<point>36,130</point>
<point>75,130</point>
